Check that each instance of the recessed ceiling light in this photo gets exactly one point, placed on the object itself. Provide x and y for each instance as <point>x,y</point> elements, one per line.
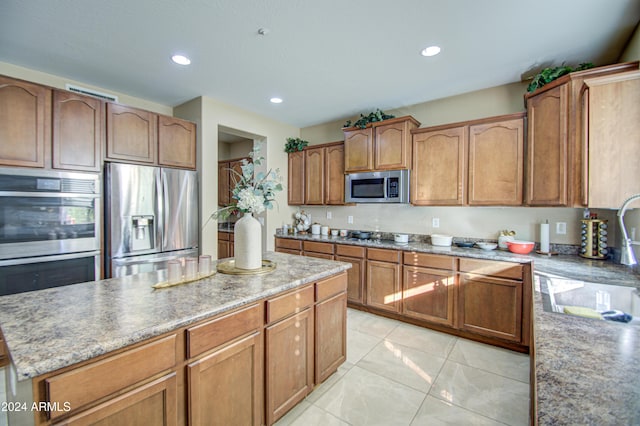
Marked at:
<point>430,51</point>
<point>181,59</point>
<point>276,100</point>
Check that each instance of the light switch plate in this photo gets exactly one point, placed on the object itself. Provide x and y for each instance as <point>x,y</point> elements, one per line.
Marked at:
<point>349,219</point>
<point>329,215</point>
<point>561,228</point>
<point>435,222</point>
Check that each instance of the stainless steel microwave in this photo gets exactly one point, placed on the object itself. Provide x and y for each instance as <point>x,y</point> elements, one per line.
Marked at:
<point>377,187</point>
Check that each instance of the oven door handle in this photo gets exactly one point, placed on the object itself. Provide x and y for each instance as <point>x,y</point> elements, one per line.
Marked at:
<point>48,194</point>
<point>53,258</point>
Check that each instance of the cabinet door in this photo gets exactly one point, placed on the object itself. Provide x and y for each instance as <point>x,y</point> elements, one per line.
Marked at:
<point>429,294</point>
<point>223,184</point>
<point>355,278</point>
<point>491,306</point>
<point>383,285</point>
<point>295,193</point>
<point>334,175</point>
<point>612,113</point>
<point>25,123</point>
<point>132,134</point>
<point>358,150</point>
<point>155,403</point>
<point>392,147</point>
<point>547,148</point>
<point>314,176</point>
<point>331,335</point>
<point>225,387</point>
<point>176,142</point>
<point>438,175</point>
<point>289,363</point>
<point>235,172</point>
<point>496,163</point>
<point>223,249</point>
<point>77,131</point>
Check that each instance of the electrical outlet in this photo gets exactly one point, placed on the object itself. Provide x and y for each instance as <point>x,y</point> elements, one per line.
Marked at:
<point>435,222</point>
<point>561,228</point>
<point>349,219</point>
<point>329,215</point>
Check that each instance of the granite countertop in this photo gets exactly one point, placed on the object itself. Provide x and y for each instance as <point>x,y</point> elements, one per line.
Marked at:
<point>49,329</point>
<point>586,371</point>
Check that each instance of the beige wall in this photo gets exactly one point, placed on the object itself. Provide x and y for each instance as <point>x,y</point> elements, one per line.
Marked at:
<point>60,82</point>
<point>479,104</point>
<point>632,49</point>
<point>472,222</point>
<point>209,114</point>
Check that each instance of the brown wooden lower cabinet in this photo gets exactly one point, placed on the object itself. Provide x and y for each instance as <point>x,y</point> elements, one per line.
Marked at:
<point>429,294</point>
<point>356,275</point>
<point>225,387</point>
<point>491,306</point>
<point>384,288</point>
<point>331,326</point>
<point>225,245</point>
<point>153,404</point>
<point>289,363</point>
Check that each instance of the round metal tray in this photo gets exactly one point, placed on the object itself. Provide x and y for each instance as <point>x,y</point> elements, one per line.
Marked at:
<point>229,267</point>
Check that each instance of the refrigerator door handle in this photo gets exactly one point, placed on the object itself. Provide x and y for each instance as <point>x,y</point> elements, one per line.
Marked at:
<point>161,200</point>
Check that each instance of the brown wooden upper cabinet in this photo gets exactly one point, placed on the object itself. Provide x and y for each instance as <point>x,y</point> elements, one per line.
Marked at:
<point>139,136</point>
<point>176,142</point>
<point>557,153</point>
<point>131,134</point>
<point>228,172</point>
<point>78,131</point>
<point>316,175</point>
<point>477,162</point>
<point>611,122</point>
<point>25,123</point>
<point>385,145</point>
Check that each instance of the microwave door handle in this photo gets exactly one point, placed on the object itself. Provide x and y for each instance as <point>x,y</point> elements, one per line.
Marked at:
<point>385,189</point>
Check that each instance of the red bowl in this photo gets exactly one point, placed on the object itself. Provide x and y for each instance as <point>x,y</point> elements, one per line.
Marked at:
<point>520,247</point>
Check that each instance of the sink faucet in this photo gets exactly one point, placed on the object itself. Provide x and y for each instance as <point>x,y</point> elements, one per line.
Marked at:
<point>627,257</point>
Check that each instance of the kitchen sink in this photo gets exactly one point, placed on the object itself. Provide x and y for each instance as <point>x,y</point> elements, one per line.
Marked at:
<point>590,300</point>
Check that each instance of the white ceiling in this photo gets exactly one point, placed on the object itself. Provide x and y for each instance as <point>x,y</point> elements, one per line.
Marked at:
<point>328,59</point>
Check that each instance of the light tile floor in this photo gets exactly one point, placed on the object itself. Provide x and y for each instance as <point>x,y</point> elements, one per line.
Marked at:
<point>400,374</point>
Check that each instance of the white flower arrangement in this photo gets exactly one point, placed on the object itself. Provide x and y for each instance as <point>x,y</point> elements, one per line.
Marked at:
<point>253,192</point>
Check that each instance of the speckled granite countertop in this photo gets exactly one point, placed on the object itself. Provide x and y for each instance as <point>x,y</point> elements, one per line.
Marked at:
<point>587,371</point>
<point>53,328</point>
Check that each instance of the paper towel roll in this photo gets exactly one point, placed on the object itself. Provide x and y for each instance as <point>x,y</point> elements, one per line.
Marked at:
<point>544,237</point>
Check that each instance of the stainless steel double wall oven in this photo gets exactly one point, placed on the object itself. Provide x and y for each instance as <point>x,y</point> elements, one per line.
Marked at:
<point>49,229</point>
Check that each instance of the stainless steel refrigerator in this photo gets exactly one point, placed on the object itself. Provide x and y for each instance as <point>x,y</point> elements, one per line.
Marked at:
<point>151,217</point>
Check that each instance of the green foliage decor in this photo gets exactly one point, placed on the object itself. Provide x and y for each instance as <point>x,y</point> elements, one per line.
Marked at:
<point>547,75</point>
<point>295,144</point>
<point>372,117</point>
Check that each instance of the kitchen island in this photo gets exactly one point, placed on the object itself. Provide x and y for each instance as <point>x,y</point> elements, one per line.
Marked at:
<point>584,371</point>
<point>122,328</point>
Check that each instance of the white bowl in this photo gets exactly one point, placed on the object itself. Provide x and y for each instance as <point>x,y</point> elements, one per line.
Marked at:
<point>487,246</point>
<point>441,240</point>
<point>401,238</point>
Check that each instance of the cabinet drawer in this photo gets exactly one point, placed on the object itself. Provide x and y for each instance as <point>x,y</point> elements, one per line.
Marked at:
<point>318,247</point>
<point>493,268</point>
<point>290,244</point>
<point>430,260</point>
<point>94,381</point>
<point>214,333</point>
<point>383,255</point>
<point>289,304</point>
<point>288,251</point>
<point>351,251</point>
<point>223,236</point>
<point>319,255</point>
<point>331,286</point>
